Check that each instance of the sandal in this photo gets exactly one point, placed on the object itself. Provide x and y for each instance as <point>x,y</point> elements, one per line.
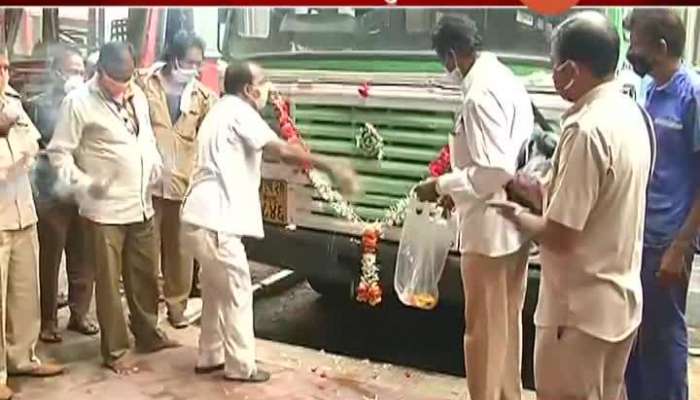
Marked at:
<point>44,370</point>
<point>208,370</point>
<point>178,320</point>
<point>259,376</point>
<point>50,337</point>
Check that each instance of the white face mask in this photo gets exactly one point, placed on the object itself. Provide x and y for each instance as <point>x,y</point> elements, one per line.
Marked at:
<point>455,76</point>
<point>183,75</point>
<point>571,82</point>
<point>264,90</point>
<point>261,101</point>
<point>73,82</point>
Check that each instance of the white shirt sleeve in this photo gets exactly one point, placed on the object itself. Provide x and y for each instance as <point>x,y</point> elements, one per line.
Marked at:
<point>487,131</point>
<point>66,139</point>
<point>253,130</point>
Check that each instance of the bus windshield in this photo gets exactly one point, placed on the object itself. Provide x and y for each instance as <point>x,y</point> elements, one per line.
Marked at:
<point>257,31</point>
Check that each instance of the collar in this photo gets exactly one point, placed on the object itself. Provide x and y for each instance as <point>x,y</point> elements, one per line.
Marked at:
<point>95,88</point>
<point>601,90</point>
<point>187,91</point>
<point>671,82</point>
<point>483,63</point>
<point>10,92</point>
<point>238,99</point>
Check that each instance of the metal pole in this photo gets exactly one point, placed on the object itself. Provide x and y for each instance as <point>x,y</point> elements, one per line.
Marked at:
<point>101,39</point>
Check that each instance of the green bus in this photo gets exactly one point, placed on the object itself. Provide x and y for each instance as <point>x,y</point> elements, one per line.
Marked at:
<point>319,58</point>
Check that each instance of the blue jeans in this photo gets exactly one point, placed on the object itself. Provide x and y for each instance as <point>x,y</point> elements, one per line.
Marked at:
<point>658,364</point>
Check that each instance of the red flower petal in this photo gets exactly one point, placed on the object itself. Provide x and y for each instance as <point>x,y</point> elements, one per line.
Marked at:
<point>363,90</point>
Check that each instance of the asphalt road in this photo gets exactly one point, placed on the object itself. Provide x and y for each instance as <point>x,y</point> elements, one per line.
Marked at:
<point>389,333</point>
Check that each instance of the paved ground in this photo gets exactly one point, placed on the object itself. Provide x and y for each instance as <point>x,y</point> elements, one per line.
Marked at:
<point>298,373</point>
<point>294,327</point>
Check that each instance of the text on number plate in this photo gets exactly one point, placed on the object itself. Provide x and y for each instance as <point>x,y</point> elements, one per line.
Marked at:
<point>273,194</point>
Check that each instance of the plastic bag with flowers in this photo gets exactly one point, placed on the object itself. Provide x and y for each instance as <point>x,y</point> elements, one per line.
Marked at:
<point>426,240</point>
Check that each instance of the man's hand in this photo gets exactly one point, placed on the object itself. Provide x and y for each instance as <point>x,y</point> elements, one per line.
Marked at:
<point>98,189</point>
<point>674,265</point>
<point>508,209</point>
<point>427,190</point>
<point>448,205</point>
<point>526,191</point>
<point>346,179</point>
<point>8,119</point>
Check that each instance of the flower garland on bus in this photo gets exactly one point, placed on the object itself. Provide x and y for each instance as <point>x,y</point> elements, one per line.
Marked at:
<point>369,288</point>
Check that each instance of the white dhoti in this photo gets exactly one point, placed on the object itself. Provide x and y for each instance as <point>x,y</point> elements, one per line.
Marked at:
<point>227,334</point>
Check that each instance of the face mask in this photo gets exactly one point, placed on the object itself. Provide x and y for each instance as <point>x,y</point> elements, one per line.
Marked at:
<point>455,76</point>
<point>640,63</point>
<point>183,75</point>
<point>73,82</point>
<point>115,88</point>
<point>562,89</point>
<point>4,77</point>
<point>261,100</point>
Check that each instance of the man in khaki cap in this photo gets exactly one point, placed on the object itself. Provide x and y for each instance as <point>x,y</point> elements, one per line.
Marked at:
<point>178,103</point>
<point>19,244</point>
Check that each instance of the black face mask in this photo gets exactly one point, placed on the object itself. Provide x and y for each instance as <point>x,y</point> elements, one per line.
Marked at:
<point>640,63</point>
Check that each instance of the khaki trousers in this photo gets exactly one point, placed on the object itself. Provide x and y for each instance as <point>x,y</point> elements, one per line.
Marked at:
<point>126,251</point>
<point>19,298</point>
<point>494,292</point>
<point>60,228</point>
<point>572,365</point>
<point>175,263</point>
<point>227,334</point>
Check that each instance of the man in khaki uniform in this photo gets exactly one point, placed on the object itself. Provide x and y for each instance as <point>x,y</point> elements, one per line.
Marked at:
<point>60,226</point>
<point>178,103</point>
<point>591,232</point>
<point>19,244</point>
<point>104,146</point>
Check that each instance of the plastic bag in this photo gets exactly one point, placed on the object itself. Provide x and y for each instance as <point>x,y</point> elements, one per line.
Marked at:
<point>426,240</point>
<point>535,158</point>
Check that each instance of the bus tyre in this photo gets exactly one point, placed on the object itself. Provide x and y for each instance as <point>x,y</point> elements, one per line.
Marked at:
<point>331,290</point>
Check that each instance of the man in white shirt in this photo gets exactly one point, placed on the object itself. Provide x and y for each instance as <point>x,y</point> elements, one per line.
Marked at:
<point>103,145</point>
<point>223,205</point>
<point>494,122</point>
<point>591,230</point>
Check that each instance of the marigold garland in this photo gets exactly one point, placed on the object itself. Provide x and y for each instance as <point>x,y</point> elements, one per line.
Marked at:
<point>369,289</point>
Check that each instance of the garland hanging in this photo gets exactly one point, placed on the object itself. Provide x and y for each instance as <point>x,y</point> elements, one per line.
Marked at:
<point>369,289</point>
<point>370,142</point>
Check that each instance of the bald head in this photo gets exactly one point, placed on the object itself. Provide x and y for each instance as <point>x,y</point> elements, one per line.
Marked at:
<point>240,75</point>
<point>589,39</point>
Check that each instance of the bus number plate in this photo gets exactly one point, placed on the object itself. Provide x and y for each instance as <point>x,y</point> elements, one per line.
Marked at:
<point>274,196</point>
